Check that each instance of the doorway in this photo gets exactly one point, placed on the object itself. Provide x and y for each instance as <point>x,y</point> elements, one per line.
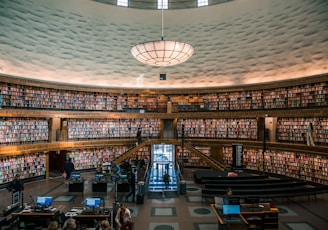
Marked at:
<point>162,162</point>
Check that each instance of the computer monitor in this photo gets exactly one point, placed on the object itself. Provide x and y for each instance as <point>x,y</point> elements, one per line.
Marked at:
<point>100,176</point>
<point>44,201</point>
<point>231,209</point>
<point>75,176</point>
<point>252,200</point>
<point>92,202</point>
<point>234,200</point>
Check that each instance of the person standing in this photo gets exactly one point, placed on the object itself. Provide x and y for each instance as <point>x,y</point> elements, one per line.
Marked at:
<point>132,184</point>
<point>69,168</point>
<point>166,179</point>
<point>309,137</point>
<point>16,185</point>
<point>139,137</point>
<point>123,218</point>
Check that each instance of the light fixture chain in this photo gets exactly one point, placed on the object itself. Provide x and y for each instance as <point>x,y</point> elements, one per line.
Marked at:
<point>162,20</point>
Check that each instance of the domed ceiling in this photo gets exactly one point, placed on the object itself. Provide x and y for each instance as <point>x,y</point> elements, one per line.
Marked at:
<point>85,42</point>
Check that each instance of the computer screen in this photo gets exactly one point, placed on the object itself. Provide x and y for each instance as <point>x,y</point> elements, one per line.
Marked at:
<point>92,202</point>
<point>234,200</point>
<point>76,176</point>
<point>44,201</point>
<point>252,200</point>
<point>231,209</point>
<point>100,176</point>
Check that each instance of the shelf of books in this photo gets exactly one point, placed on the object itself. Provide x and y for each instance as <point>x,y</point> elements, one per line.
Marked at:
<point>142,154</point>
<point>20,130</point>
<point>243,128</point>
<point>191,159</point>
<point>309,167</point>
<point>95,157</point>
<point>81,129</point>
<point>298,96</point>
<point>28,166</point>
<point>294,129</point>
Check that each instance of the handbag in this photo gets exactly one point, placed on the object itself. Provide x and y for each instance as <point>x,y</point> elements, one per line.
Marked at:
<point>64,175</point>
<point>127,225</point>
<point>314,134</point>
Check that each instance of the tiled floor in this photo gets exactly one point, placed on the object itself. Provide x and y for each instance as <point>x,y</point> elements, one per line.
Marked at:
<point>187,212</point>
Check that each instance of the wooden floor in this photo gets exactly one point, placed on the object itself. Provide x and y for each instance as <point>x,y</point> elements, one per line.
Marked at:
<point>186,212</point>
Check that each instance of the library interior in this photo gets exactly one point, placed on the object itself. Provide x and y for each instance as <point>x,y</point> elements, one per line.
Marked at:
<point>235,137</point>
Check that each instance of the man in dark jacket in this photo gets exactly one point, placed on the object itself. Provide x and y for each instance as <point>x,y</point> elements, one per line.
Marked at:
<point>16,185</point>
<point>132,185</point>
<point>69,168</point>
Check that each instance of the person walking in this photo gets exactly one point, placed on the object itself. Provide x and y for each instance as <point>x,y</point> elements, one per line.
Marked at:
<point>309,135</point>
<point>139,137</point>
<point>123,218</point>
<point>132,184</point>
<point>69,168</point>
<point>166,179</point>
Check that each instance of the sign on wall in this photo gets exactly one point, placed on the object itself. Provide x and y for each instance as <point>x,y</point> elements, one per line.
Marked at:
<point>237,156</point>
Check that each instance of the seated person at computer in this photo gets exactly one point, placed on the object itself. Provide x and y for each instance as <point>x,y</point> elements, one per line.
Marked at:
<point>104,225</point>
<point>53,225</point>
<point>70,224</point>
<point>123,218</point>
<point>227,195</point>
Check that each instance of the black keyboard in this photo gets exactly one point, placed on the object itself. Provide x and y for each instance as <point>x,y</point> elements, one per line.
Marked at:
<point>233,220</point>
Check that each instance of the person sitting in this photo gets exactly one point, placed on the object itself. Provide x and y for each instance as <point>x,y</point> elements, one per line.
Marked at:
<point>53,225</point>
<point>70,224</point>
<point>104,225</point>
<point>226,196</point>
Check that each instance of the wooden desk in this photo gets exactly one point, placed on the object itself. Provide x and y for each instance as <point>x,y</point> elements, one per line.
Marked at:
<point>225,224</point>
<point>38,218</point>
<point>252,217</point>
<point>76,186</point>
<point>99,186</point>
<point>90,220</point>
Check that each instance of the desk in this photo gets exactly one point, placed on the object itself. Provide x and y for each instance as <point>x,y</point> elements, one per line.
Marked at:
<point>226,224</point>
<point>90,220</point>
<point>123,187</point>
<point>76,186</point>
<point>3,220</point>
<point>38,218</point>
<point>99,186</point>
<point>252,217</point>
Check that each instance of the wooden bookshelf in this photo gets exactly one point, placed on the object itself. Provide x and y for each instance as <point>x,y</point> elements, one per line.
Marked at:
<point>244,128</point>
<point>95,157</point>
<point>306,95</point>
<point>20,130</point>
<point>309,167</point>
<point>82,129</point>
<point>294,129</point>
<point>191,159</point>
<point>28,166</point>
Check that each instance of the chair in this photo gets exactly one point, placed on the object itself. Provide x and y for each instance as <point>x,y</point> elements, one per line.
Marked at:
<point>218,202</point>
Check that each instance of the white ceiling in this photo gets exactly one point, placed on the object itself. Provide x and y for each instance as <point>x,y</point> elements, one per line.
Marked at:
<point>88,43</point>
